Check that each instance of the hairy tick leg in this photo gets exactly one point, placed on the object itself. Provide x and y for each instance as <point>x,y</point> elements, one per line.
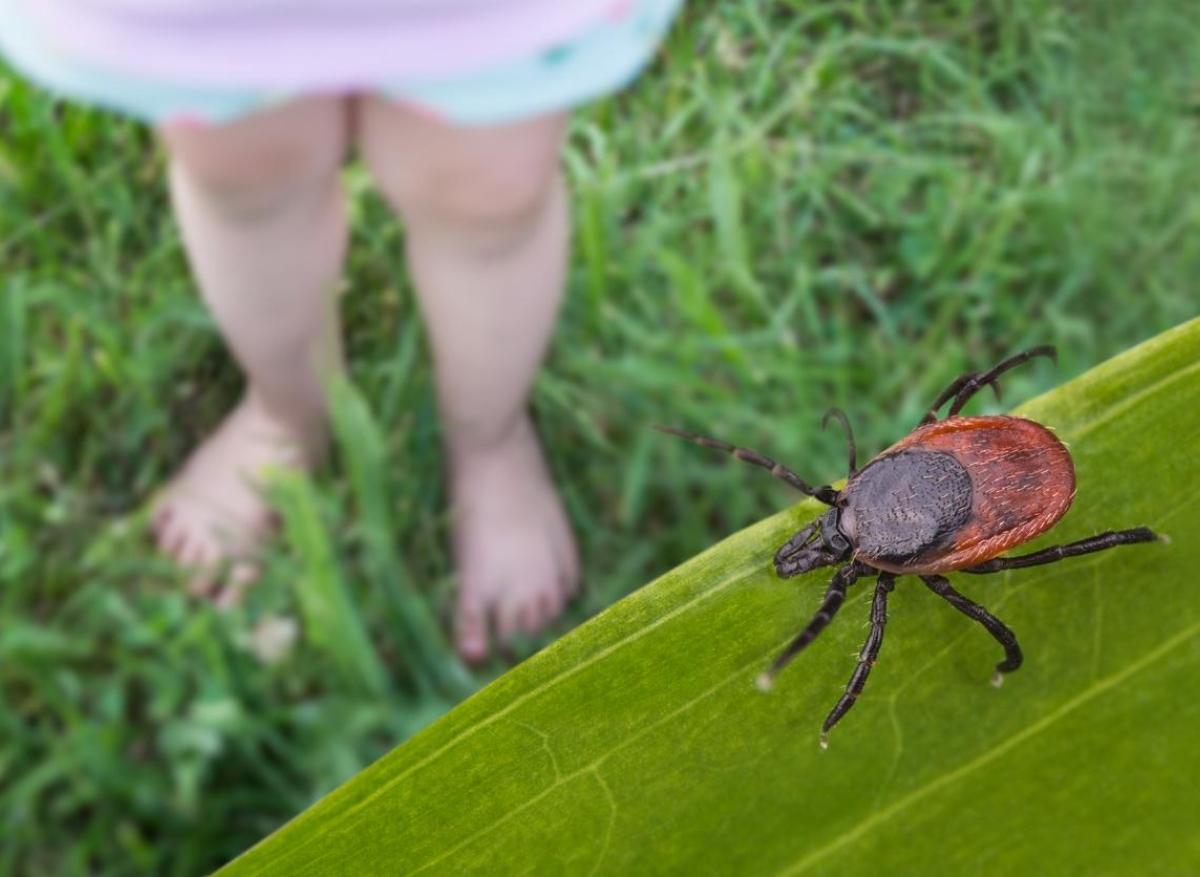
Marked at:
<point>834,597</point>
<point>997,628</point>
<point>824,493</point>
<point>1101,542</point>
<point>866,657</point>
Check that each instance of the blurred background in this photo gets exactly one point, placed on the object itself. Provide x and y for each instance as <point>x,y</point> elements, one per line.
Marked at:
<point>801,204</point>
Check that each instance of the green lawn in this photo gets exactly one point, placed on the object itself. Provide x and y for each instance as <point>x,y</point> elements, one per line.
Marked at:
<point>801,204</point>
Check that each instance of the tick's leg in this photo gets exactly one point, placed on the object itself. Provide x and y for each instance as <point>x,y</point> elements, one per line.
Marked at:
<point>989,377</point>
<point>866,657</point>
<point>1111,539</point>
<point>966,386</point>
<point>825,493</point>
<point>957,385</point>
<point>840,416</point>
<point>834,596</point>
<point>996,627</point>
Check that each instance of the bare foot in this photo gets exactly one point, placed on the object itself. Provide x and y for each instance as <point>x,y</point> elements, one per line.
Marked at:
<point>212,517</point>
<point>517,562</point>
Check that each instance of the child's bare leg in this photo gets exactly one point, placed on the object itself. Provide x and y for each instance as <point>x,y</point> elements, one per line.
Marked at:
<point>486,219</point>
<point>260,208</point>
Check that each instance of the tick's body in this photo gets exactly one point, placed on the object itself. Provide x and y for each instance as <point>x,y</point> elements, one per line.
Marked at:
<point>956,493</point>
<point>953,494</point>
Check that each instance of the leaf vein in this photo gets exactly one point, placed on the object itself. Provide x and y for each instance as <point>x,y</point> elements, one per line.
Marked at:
<point>517,702</point>
<point>594,766</point>
<point>612,819</point>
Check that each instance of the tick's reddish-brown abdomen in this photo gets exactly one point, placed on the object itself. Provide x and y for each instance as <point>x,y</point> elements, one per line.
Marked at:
<point>1022,483</point>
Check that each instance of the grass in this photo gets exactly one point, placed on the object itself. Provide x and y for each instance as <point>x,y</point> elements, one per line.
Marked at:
<point>800,204</point>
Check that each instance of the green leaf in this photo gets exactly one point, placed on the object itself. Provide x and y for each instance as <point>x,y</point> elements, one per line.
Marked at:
<point>331,619</point>
<point>639,744</point>
<point>432,661</point>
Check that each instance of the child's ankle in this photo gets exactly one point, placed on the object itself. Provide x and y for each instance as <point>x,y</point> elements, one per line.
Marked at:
<point>467,442</point>
<point>307,422</point>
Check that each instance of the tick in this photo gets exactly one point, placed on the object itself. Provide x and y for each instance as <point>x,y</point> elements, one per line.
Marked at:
<point>952,495</point>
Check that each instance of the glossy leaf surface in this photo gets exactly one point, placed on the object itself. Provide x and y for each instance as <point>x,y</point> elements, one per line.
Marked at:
<point>639,744</point>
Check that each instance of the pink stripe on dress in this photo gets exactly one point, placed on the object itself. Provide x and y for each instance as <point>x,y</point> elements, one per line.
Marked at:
<point>308,45</point>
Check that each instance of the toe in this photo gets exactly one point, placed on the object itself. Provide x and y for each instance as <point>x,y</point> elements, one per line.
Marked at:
<point>161,541</point>
<point>200,559</point>
<point>172,539</point>
<point>160,519</point>
<point>241,576</point>
<point>189,551</point>
<point>508,619</point>
<point>568,585</point>
<point>550,602</point>
<point>201,583</point>
<point>470,629</point>
<point>531,617</point>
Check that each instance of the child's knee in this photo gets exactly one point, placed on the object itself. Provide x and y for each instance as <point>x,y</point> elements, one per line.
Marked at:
<point>476,193</point>
<point>482,196</point>
<point>464,178</point>
<point>249,166</point>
